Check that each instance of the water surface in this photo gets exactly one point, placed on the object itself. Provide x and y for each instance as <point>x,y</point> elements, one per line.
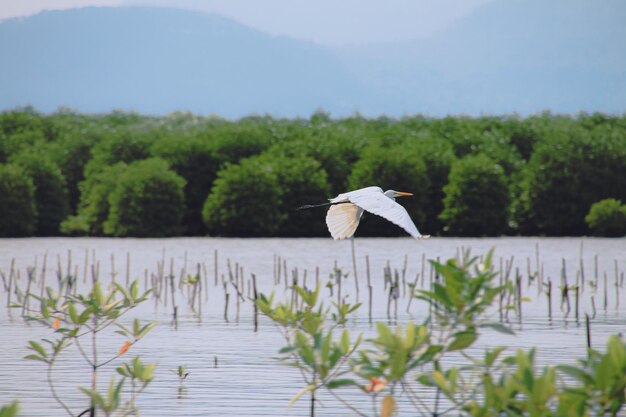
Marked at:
<point>247,380</point>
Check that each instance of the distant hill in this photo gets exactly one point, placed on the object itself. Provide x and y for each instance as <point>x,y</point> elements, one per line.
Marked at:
<point>510,55</point>
<point>159,60</point>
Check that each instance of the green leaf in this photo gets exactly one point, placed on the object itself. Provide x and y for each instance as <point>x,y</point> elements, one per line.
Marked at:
<point>123,370</point>
<point>134,288</point>
<point>85,315</point>
<point>345,341</point>
<point>491,356</point>
<point>38,348</point>
<point>97,294</point>
<point>325,348</point>
<point>287,349</point>
<point>440,380</point>
<point>123,290</point>
<point>301,339</point>
<point>573,372</point>
<point>145,329</point>
<point>45,312</point>
<point>95,397</point>
<point>425,380</point>
<point>337,383</point>
<point>384,333</point>
<point>34,357</point>
<point>9,410</point>
<point>499,327</point>
<point>410,335</point>
<point>398,364</point>
<point>71,309</point>
<point>148,373</point>
<point>462,340</point>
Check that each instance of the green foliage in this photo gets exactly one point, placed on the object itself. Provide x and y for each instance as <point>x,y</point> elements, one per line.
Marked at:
<point>94,206</point>
<point>600,383</point>
<point>399,366</point>
<point>519,390</point>
<point>77,318</point>
<point>147,201</point>
<point>477,198</point>
<point>244,200</point>
<point>301,179</point>
<point>123,145</point>
<point>392,168</point>
<point>192,157</point>
<point>18,211</point>
<point>438,157</point>
<point>71,152</point>
<point>569,171</point>
<point>9,410</point>
<point>51,199</point>
<point>607,218</point>
<point>554,167</point>
<point>231,143</point>
<point>311,347</point>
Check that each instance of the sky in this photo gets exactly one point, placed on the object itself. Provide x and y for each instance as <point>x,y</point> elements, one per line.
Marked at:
<point>327,22</point>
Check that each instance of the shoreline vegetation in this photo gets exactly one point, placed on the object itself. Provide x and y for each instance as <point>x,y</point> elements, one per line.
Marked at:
<point>403,367</point>
<point>127,174</point>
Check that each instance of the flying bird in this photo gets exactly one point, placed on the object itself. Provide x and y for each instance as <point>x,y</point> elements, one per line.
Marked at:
<point>346,209</point>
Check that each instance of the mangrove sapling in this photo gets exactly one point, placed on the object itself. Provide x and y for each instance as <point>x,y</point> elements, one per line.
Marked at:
<point>594,387</point>
<point>311,346</point>
<point>182,373</point>
<point>459,300</point>
<point>9,410</point>
<point>601,382</point>
<point>78,320</point>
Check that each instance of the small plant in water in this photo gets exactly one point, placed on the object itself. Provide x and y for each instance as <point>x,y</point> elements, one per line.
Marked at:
<point>311,345</point>
<point>407,363</point>
<point>78,320</point>
<point>181,372</point>
<point>9,410</point>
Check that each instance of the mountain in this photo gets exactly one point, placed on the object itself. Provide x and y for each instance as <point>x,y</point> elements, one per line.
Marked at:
<point>509,55</point>
<point>159,60</point>
<point>520,56</point>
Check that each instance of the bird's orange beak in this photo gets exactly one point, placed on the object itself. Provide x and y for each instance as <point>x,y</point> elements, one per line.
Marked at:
<point>403,194</point>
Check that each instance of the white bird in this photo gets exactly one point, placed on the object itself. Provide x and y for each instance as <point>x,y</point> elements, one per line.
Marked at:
<point>346,210</point>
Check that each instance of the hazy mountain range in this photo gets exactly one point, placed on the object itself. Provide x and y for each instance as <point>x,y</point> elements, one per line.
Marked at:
<point>509,56</point>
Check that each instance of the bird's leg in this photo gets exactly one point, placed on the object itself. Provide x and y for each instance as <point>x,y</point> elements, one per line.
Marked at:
<point>308,206</point>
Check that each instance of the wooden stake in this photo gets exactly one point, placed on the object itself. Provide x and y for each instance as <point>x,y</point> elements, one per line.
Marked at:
<point>43,273</point>
<point>215,271</point>
<point>356,277</point>
<point>576,303</point>
<point>256,308</point>
<point>606,295</point>
<point>549,295</point>
<point>413,291</point>
<point>588,327</point>
<point>127,268</point>
<point>582,268</point>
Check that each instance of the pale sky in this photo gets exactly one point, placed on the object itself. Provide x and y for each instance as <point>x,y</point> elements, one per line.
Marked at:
<point>329,22</point>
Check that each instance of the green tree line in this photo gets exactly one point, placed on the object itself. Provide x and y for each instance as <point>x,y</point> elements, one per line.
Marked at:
<point>127,174</point>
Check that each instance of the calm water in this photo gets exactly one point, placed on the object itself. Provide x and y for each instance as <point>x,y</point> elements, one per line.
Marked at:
<point>247,381</point>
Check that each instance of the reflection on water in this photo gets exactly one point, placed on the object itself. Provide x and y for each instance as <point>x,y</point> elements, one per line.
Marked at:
<point>232,372</point>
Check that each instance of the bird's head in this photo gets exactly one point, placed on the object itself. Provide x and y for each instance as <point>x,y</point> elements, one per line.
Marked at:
<point>393,194</point>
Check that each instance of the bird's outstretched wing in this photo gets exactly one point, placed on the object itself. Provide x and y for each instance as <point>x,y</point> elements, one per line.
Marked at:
<point>342,220</point>
<point>381,205</point>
